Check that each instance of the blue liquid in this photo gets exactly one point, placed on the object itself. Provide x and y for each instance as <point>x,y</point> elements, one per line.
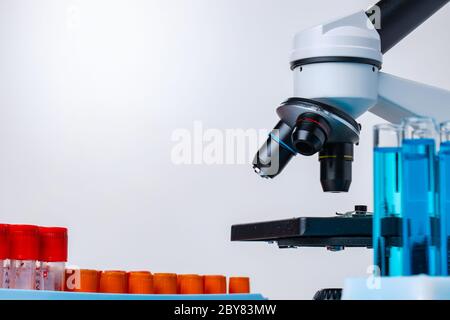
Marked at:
<point>387,255</point>
<point>420,240</point>
<point>444,184</point>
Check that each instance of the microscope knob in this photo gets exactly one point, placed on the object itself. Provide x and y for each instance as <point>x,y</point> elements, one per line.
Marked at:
<point>361,209</point>
<point>328,295</point>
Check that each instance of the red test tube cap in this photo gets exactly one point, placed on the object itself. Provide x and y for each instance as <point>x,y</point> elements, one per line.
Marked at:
<point>23,242</point>
<point>53,244</point>
<point>4,242</point>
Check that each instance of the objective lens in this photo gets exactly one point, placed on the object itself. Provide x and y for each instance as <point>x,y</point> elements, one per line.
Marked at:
<point>310,134</point>
<point>276,153</point>
<point>336,167</point>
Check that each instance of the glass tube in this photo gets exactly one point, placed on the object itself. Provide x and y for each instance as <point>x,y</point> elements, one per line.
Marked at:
<point>421,221</point>
<point>4,256</point>
<point>52,276</point>
<point>444,197</point>
<point>24,253</point>
<point>4,273</point>
<point>387,176</point>
<point>23,274</point>
<point>53,256</point>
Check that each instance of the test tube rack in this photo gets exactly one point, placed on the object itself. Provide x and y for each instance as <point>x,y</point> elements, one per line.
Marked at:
<point>8,294</point>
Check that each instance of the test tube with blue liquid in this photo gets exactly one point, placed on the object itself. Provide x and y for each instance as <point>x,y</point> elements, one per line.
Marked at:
<point>421,243</point>
<point>388,251</point>
<point>444,197</point>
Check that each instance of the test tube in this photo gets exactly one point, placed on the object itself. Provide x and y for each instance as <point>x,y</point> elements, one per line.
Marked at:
<point>165,283</point>
<point>387,191</point>
<point>239,285</point>
<point>179,278</point>
<point>4,256</point>
<point>421,220</point>
<point>81,280</point>
<point>215,284</point>
<point>444,197</point>
<point>24,254</point>
<point>113,282</point>
<point>140,282</point>
<point>53,257</point>
<point>191,284</point>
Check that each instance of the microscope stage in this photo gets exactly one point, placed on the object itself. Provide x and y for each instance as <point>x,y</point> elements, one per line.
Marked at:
<point>333,233</point>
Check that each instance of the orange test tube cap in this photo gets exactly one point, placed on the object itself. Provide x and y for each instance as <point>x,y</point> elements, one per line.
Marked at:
<point>215,284</point>
<point>191,284</point>
<point>140,282</point>
<point>82,281</point>
<point>239,285</point>
<point>179,277</point>
<point>113,282</point>
<point>165,283</point>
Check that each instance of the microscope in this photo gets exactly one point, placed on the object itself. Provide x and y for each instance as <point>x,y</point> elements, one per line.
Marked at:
<point>337,78</point>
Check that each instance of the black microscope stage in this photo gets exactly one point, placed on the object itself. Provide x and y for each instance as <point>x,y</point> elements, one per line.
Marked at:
<point>332,232</point>
<point>352,230</point>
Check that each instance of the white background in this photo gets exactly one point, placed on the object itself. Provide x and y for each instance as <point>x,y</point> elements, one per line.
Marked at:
<point>91,91</point>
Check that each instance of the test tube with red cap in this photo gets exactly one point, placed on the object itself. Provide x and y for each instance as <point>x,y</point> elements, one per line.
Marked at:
<point>4,256</point>
<point>24,254</point>
<point>53,258</point>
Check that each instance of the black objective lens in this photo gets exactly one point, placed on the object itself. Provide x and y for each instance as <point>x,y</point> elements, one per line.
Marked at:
<point>336,167</point>
<point>276,153</point>
<point>310,134</point>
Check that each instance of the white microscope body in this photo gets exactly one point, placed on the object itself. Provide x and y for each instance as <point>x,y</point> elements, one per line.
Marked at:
<point>358,86</point>
<point>337,78</point>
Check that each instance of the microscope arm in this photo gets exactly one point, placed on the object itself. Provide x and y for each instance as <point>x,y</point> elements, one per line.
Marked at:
<point>399,98</point>
<point>396,19</point>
